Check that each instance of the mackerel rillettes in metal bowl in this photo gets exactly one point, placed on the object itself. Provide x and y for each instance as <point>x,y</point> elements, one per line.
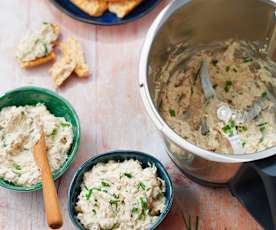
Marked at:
<point>57,106</point>
<point>145,159</point>
<point>201,22</point>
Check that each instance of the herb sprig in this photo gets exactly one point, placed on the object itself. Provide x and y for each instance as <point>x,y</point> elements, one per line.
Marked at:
<point>172,113</point>
<point>229,128</point>
<point>141,185</point>
<point>188,223</point>
<point>227,86</point>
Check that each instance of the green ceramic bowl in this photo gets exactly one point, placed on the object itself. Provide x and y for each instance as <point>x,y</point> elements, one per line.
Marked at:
<point>58,106</point>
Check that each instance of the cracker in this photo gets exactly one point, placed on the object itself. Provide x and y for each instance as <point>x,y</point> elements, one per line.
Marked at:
<point>39,61</point>
<point>71,47</point>
<point>121,9</point>
<point>42,60</point>
<point>91,7</point>
<point>62,70</point>
<point>57,31</point>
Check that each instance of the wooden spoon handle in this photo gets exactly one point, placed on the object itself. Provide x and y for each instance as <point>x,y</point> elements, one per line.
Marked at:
<point>51,202</point>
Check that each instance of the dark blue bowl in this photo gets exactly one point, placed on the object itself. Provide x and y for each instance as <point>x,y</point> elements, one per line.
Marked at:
<point>75,189</point>
<point>107,18</point>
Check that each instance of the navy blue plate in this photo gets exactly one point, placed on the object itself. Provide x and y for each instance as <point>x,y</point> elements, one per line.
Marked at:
<point>107,18</point>
<point>74,189</point>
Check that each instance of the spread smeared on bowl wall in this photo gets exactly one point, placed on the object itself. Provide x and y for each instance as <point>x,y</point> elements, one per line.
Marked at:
<point>120,195</point>
<point>19,131</point>
<point>236,99</point>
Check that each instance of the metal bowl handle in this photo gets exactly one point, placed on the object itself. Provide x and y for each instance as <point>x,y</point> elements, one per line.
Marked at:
<point>255,187</point>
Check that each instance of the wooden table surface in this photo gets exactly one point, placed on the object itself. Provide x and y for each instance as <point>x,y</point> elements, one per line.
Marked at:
<point>111,113</point>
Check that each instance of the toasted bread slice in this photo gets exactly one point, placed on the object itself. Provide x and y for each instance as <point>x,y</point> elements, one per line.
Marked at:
<point>39,61</point>
<point>71,47</point>
<point>121,9</point>
<point>57,32</point>
<point>91,7</point>
<point>42,60</point>
<point>62,69</point>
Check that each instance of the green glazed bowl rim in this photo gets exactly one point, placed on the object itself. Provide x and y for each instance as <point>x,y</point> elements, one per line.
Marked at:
<point>73,150</point>
<point>120,155</point>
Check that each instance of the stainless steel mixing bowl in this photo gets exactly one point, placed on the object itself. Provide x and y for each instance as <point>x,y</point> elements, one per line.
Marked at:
<point>198,22</point>
<point>194,22</point>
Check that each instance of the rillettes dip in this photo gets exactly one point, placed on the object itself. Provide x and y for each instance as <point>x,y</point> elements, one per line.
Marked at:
<point>19,131</point>
<point>120,196</point>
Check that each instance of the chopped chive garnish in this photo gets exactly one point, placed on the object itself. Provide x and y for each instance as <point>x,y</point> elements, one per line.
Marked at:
<point>16,166</point>
<point>242,128</point>
<point>243,143</point>
<point>144,207</point>
<point>105,184</point>
<point>172,113</point>
<point>134,210</point>
<point>115,196</point>
<point>143,203</point>
<point>114,202</point>
<point>142,216</point>
<point>227,68</point>
<point>142,186</point>
<point>262,124</point>
<point>112,228</point>
<point>94,211</point>
<point>88,194</point>
<point>247,59</point>
<point>64,125</point>
<point>128,175</point>
<point>264,94</point>
<point>54,133</point>
<point>227,86</point>
<point>46,51</point>
<point>262,129</point>
<point>214,62</point>
<point>229,128</point>
<point>89,191</point>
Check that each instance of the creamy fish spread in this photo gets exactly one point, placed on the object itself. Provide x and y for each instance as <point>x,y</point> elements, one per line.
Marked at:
<point>19,131</point>
<point>36,44</point>
<point>228,107</point>
<point>120,195</point>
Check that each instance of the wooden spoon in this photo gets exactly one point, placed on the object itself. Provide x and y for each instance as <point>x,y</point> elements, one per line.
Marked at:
<point>51,202</point>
